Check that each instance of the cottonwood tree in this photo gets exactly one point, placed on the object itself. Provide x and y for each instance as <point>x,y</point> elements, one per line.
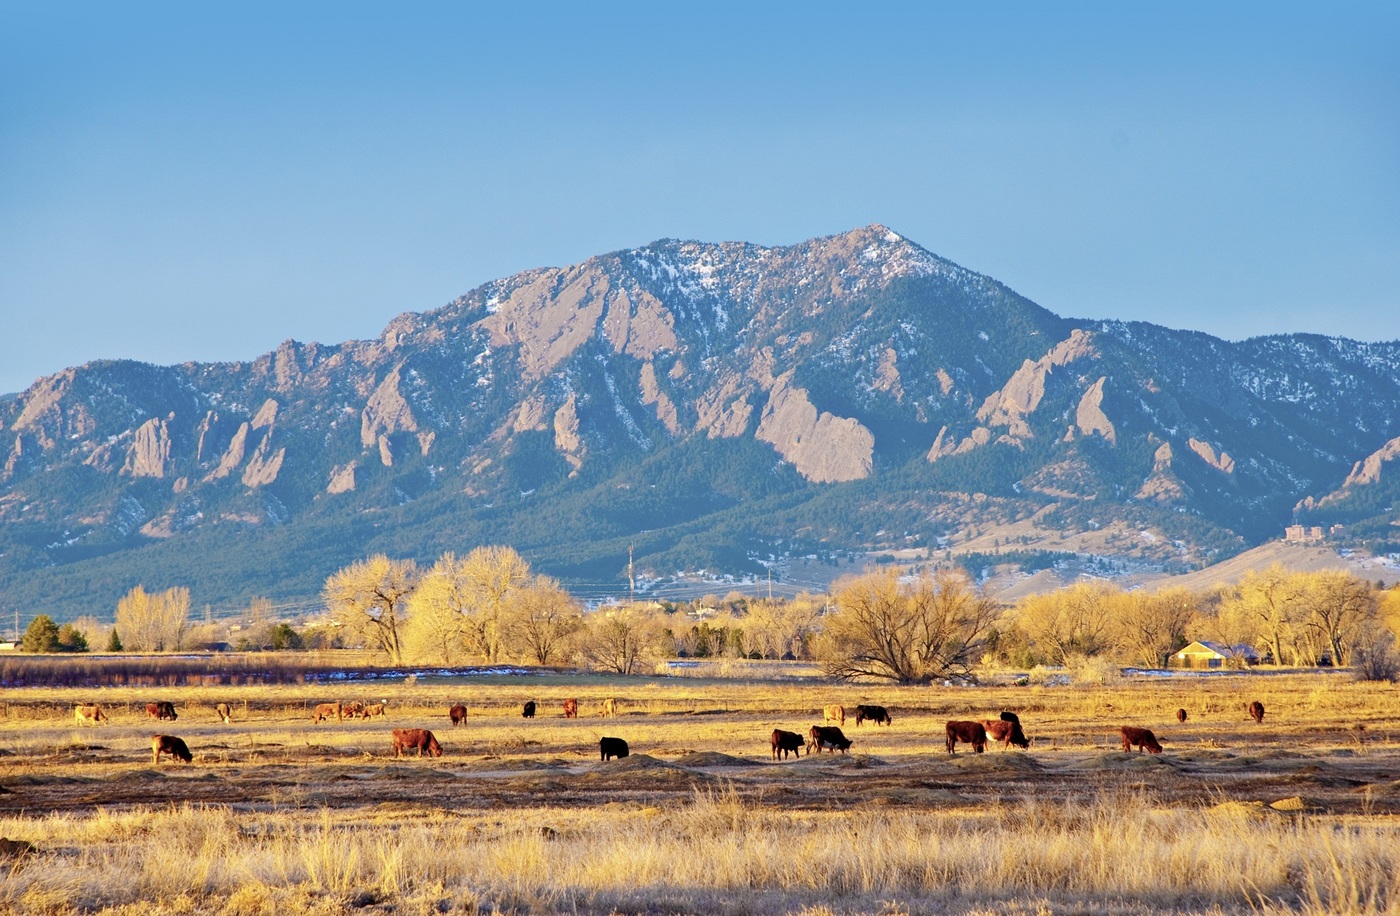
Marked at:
<point>621,639</point>
<point>1341,607</point>
<point>1081,620</point>
<point>780,628</point>
<point>542,621</point>
<point>1271,600</point>
<point>1152,626</point>
<point>490,576</point>
<point>153,623</point>
<point>911,631</point>
<point>369,599</point>
<point>438,629</point>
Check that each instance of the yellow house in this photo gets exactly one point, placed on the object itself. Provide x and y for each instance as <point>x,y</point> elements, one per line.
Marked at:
<point>1205,654</point>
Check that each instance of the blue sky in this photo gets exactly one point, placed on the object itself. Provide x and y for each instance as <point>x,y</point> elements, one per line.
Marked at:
<point>201,181</point>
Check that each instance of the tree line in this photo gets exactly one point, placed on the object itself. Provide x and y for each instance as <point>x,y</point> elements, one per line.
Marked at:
<point>489,607</point>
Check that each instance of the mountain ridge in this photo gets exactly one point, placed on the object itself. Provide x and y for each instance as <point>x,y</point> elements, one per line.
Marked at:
<point>863,392</point>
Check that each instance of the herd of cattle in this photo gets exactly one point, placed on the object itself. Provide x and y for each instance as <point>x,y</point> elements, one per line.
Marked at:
<point>1005,729</point>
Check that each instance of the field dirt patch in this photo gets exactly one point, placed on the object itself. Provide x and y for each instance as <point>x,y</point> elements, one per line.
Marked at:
<point>703,759</point>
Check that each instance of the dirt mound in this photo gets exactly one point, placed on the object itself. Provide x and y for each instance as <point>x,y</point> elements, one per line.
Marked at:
<point>1007,762</point>
<point>632,764</point>
<point>714,759</point>
<point>1117,760</point>
<point>140,776</point>
<point>1295,804</point>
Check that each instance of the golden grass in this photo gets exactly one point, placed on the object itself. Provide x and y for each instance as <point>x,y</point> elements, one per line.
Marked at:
<point>280,815</point>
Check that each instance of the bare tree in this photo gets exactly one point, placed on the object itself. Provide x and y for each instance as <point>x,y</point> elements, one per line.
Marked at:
<point>1341,607</point>
<point>438,629</point>
<point>489,576</point>
<point>782,627</point>
<point>909,632</point>
<point>620,639</point>
<point>153,623</point>
<point>368,598</point>
<point>1152,626</point>
<point>542,621</point>
<point>1081,620</point>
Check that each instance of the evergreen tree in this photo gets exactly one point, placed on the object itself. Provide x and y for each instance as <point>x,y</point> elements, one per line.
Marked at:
<point>42,635</point>
<point>115,643</point>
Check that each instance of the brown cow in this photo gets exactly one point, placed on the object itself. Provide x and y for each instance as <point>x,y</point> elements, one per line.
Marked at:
<point>420,738</point>
<point>326,711</point>
<point>374,709</point>
<point>88,715</point>
<point>829,737</point>
<point>353,709</point>
<point>834,713</point>
<point>783,742</point>
<point>973,733</point>
<point>225,714</point>
<point>877,714</point>
<point>1256,711</point>
<point>163,710</point>
<point>1141,738</point>
<point>458,714</point>
<point>169,744</point>
<point>1006,733</point>
<point>571,708</point>
<point>1181,715</point>
<point>609,709</point>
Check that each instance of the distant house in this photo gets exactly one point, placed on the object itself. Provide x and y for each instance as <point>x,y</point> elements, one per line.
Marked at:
<point>1205,654</point>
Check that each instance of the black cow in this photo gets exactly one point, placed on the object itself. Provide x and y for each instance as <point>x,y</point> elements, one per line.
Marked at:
<point>829,737</point>
<point>163,710</point>
<point>608,748</point>
<point>783,742</point>
<point>529,711</point>
<point>877,714</point>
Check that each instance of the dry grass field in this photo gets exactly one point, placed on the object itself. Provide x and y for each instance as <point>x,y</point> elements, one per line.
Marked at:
<point>1300,813</point>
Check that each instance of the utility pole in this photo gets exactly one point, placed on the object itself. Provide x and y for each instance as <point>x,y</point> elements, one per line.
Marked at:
<point>631,581</point>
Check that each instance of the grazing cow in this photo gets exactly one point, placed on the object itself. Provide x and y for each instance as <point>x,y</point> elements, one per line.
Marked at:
<point>1009,716</point>
<point>834,713</point>
<point>373,709</point>
<point>1181,715</point>
<point>458,714</point>
<point>169,744</point>
<point>163,710</point>
<point>877,714</point>
<point>571,708</point>
<point>1141,738</point>
<point>326,711</point>
<point>784,742</point>
<point>608,748</point>
<point>88,715</point>
<point>973,733</point>
<point>609,709</point>
<point>1007,733</point>
<point>1256,711</point>
<point>225,714</point>
<point>351,710</point>
<point>419,738</point>
<point>528,712</point>
<point>829,737</point>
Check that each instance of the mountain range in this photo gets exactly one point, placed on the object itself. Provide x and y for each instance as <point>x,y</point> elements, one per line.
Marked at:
<point>722,407</point>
